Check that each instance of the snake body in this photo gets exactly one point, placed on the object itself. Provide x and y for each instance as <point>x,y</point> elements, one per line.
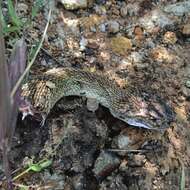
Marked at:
<point>42,92</point>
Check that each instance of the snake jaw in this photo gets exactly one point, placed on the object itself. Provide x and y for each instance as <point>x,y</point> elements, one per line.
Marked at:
<point>26,109</point>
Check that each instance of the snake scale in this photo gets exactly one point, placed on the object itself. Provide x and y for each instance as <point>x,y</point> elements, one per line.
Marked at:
<point>41,93</point>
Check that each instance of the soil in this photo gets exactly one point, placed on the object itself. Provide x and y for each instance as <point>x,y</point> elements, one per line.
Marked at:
<point>95,150</point>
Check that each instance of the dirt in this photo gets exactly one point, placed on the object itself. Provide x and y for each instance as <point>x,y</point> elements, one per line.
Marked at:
<point>94,150</point>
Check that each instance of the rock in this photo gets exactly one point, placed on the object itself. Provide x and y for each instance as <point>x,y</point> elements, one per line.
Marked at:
<point>122,141</point>
<point>121,45</point>
<point>105,164</point>
<point>74,4</point>
<point>136,160</point>
<point>114,182</point>
<point>93,45</point>
<point>22,8</point>
<point>178,9</point>
<point>79,182</point>
<point>100,1</point>
<point>162,54</point>
<point>115,12</point>
<point>136,57</point>
<point>91,22</point>
<point>93,29</point>
<point>133,9</point>
<point>92,104</point>
<point>170,38</point>
<point>113,26</point>
<point>124,11</point>
<point>187,84</point>
<point>102,27</point>
<point>139,34</point>
<point>149,43</point>
<point>70,25</point>
<point>56,180</point>
<point>83,43</point>
<point>155,18</point>
<point>186,29</point>
<point>100,10</point>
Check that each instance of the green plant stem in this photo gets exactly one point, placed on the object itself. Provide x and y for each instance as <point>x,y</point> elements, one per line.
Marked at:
<point>33,59</point>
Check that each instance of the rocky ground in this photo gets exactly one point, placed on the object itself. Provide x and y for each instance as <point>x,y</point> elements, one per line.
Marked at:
<point>143,43</point>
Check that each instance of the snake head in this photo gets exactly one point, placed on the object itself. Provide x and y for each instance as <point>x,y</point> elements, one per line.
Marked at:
<point>145,111</point>
<point>35,99</point>
<point>25,108</point>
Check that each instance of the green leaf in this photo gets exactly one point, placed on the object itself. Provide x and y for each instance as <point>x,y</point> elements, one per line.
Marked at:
<point>24,188</point>
<point>10,29</point>
<point>40,166</point>
<point>33,50</point>
<point>15,20</point>
<point>46,164</point>
<point>35,168</point>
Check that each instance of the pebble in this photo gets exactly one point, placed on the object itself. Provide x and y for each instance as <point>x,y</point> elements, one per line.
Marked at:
<point>93,29</point>
<point>186,29</point>
<point>22,8</point>
<point>113,26</point>
<point>123,141</point>
<point>114,182</point>
<point>92,104</point>
<point>136,160</point>
<point>124,11</point>
<point>73,4</point>
<point>161,54</point>
<point>105,164</point>
<point>83,43</point>
<point>178,9</point>
<point>138,31</point>
<point>79,182</point>
<point>56,180</point>
<point>187,84</point>
<point>137,57</point>
<point>155,18</point>
<point>121,45</point>
<point>149,43</point>
<point>133,9</point>
<point>170,38</point>
<point>102,28</point>
<point>100,10</point>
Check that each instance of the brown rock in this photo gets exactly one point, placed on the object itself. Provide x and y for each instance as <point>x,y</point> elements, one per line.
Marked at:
<point>170,38</point>
<point>162,54</point>
<point>91,21</point>
<point>139,36</point>
<point>186,29</point>
<point>138,31</point>
<point>121,45</point>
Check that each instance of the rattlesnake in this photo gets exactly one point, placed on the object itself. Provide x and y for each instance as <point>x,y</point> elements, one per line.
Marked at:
<point>41,93</point>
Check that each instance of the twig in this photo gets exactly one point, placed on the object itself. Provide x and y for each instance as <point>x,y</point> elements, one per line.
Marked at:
<point>33,59</point>
<point>128,151</point>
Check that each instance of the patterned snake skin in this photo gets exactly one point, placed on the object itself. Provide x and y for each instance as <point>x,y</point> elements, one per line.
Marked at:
<point>137,109</point>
